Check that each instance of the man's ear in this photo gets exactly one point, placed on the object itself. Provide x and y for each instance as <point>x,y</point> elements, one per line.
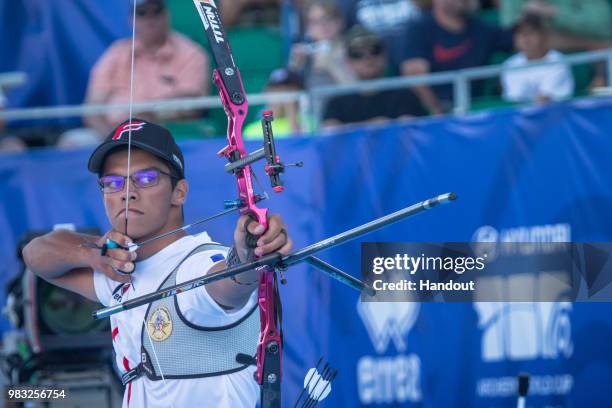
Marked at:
<point>179,195</point>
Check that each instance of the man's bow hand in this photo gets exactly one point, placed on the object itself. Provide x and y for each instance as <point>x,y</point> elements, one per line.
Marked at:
<point>274,239</point>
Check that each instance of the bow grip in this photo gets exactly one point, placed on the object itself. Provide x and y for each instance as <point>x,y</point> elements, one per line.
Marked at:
<point>259,215</point>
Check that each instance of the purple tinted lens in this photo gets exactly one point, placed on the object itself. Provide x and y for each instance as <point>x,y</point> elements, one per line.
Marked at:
<point>111,184</point>
<point>145,178</point>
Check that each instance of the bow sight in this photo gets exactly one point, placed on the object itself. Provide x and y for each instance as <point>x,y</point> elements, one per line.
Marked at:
<point>274,167</point>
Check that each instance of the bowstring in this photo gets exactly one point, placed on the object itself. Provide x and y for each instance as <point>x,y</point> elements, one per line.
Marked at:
<point>129,160</point>
<point>127,191</point>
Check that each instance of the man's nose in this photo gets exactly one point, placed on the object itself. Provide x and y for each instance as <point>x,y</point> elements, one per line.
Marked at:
<point>133,191</point>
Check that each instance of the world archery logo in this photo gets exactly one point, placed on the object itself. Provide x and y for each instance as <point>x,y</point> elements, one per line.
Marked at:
<point>126,128</point>
<point>388,321</point>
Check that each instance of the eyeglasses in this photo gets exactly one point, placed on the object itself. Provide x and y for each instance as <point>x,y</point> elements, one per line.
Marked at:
<point>372,51</point>
<point>149,11</point>
<point>113,183</point>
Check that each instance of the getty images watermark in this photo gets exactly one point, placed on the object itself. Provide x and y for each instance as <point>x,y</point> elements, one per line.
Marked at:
<point>414,264</point>
<point>487,272</point>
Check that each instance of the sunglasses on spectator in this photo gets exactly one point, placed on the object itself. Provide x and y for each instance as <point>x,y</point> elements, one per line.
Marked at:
<point>372,51</point>
<point>113,183</point>
<point>149,11</point>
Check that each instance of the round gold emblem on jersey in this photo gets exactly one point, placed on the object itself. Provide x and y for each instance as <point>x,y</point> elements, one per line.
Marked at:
<point>159,325</point>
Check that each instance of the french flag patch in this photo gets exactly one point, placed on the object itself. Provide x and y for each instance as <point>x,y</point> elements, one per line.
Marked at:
<point>217,257</point>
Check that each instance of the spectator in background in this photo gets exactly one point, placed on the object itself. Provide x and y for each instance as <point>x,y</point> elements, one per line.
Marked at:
<point>388,19</point>
<point>166,65</point>
<point>248,13</point>
<point>448,39</point>
<point>535,84</point>
<point>368,60</point>
<point>322,58</point>
<point>287,120</point>
<point>576,24</point>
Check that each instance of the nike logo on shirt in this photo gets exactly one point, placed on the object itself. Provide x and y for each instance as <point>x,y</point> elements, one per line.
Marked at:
<point>446,54</point>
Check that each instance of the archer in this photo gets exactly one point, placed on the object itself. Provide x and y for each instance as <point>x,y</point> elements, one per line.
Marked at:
<point>221,318</point>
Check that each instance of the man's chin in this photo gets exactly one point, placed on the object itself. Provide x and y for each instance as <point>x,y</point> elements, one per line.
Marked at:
<point>139,235</point>
<point>135,232</point>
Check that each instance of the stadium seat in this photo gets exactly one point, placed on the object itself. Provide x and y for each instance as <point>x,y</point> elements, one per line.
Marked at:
<point>257,52</point>
<point>185,19</point>
<point>583,74</point>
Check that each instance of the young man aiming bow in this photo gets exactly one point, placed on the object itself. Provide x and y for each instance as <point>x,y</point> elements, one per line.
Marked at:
<point>186,345</point>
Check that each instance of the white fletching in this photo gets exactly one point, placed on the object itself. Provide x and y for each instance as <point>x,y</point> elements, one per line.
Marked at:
<point>318,388</point>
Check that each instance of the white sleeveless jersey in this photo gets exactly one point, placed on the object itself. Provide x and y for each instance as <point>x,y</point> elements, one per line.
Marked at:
<point>232,390</point>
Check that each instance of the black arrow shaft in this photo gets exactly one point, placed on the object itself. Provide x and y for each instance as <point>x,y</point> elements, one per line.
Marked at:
<point>276,260</point>
<point>366,228</point>
<point>268,260</point>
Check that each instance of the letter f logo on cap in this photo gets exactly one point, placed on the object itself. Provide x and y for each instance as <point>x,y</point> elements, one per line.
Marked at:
<point>127,127</point>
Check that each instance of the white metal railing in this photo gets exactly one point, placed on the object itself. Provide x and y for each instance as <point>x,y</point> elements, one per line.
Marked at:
<point>166,105</point>
<point>311,102</point>
<point>460,79</point>
<point>12,79</point>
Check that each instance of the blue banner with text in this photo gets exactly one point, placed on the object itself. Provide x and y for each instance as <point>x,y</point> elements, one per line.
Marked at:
<point>531,175</point>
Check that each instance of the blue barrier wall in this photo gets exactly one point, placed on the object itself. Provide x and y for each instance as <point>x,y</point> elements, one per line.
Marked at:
<point>541,173</point>
<point>56,43</point>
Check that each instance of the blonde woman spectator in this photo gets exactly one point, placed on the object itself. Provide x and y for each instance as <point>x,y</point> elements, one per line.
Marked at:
<point>322,58</point>
<point>539,83</point>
